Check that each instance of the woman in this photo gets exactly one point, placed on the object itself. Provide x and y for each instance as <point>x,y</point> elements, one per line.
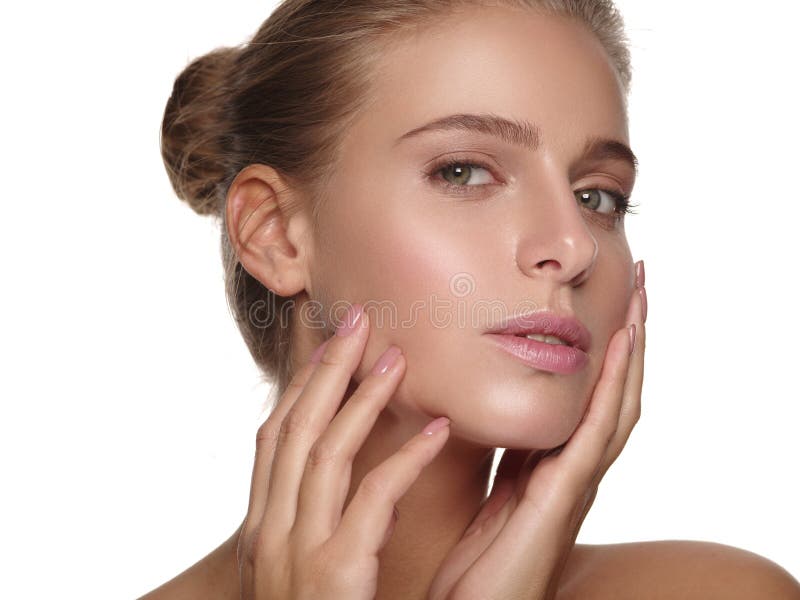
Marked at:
<point>419,160</point>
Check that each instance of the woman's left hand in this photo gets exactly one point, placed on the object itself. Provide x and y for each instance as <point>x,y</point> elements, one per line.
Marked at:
<point>520,540</point>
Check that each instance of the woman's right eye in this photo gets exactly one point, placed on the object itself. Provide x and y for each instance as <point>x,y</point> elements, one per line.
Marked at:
<point>454,175</point>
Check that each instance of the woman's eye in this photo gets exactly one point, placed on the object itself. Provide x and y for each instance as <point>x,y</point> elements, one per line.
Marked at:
<point>464,177</point>
<point>458,175</point>
<point>595,198</point>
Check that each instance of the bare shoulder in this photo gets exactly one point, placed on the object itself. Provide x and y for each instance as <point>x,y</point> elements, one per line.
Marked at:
<point>216,576</point>
<point>672,570</point>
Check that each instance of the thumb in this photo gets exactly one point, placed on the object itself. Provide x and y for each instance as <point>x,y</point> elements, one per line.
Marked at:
<point>502,488</point>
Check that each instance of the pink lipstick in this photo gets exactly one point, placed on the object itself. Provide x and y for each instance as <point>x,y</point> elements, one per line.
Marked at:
<point>565,355</point>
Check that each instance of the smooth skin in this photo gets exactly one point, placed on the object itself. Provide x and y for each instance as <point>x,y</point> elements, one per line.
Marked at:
<point>325,481</point>
<point>296,543</point>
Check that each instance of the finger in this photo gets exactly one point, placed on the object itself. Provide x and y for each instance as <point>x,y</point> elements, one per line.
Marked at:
<point>549,505</point>
<point>581,457</point>
<point>511,477</point>
<point>503,487</point>
<point>326,480</point>
<point>363,525</point>
<point>558,483</point>
<point>512,468</point>
<point>473,542</point>
<point>632,395</point>
<point>266,438</point>
<point>311,414</point>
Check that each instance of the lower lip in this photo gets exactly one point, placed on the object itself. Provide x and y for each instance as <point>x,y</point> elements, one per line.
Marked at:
<point>556,358</point>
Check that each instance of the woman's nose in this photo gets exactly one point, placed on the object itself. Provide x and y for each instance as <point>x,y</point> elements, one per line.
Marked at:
<point>555,240</point>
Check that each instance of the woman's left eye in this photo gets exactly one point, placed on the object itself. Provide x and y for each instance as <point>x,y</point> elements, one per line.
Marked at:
<point>615,202</point>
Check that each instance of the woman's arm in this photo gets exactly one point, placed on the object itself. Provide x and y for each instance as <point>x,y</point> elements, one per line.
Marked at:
<point>216,576</point>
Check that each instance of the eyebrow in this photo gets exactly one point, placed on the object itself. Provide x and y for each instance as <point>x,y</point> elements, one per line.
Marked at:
<point>523,133</point>
<point>599,148</point>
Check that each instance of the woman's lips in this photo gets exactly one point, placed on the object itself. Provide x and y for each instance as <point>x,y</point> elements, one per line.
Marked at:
<point>555,358</point>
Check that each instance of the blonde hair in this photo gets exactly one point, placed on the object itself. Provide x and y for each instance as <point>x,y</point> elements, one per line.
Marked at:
<point>284,98</point>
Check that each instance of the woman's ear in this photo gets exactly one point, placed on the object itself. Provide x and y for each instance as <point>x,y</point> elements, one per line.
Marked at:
<point>267,227</point>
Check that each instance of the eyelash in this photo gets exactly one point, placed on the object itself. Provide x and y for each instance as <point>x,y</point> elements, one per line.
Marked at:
<point>622,202</point>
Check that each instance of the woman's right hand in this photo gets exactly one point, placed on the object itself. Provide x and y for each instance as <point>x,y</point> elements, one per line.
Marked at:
<point>296,543</point>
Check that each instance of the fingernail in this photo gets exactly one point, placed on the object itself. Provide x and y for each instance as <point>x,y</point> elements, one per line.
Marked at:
<point>319,351</point>
<point>386,360</point>
<point>436,425</point>
<point>643,294</point>
<point>352,319</point>
<point>632,336</point>
<point>640,273</point>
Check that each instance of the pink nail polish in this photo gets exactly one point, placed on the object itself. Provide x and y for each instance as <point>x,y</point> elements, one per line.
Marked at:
<point>640,273</point>
<point>436,425</point>
<point>643,294</point>
<point>386,360</point>
<point>352,320</point>
<point>632,336</point>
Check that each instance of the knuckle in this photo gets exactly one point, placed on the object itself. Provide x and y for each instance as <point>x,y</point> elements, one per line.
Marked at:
<point>295,422</point>
<point>593,478</point>
<point>556,511</point>
<point>603,427</point>
<point>370,397</point>
<point>326,567</point>
<point>597,423</point>
<point>373,486</point>
<point>323,452</point>
<point>267,434</point>
<point>607,434</point>
<point>297,383</point>
<point>251,548</point>
<point>333,358</point>
<point>575,486</point>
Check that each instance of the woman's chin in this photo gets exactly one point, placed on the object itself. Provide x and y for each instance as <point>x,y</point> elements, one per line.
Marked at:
<point>532,410</point>
<point>539,426</point>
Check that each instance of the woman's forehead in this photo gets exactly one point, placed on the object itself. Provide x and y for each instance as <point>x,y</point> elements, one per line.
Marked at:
<point>531,68</point>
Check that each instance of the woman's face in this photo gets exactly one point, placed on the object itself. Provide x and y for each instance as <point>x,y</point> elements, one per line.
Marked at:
<point>510,234</point>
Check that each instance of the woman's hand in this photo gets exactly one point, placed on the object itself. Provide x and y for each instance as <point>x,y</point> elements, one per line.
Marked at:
<point>519,542</point>
<point>295,542</point>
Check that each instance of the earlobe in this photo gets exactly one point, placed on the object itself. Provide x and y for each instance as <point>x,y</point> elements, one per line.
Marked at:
<point>259,209</point>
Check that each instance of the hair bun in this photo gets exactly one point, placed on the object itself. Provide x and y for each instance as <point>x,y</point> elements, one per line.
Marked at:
<point>192,128</point>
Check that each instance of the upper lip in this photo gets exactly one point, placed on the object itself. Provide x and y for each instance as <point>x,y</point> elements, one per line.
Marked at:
<point>565,327</point>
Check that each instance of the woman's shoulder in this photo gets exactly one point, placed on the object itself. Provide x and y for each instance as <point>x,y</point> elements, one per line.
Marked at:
<point>673,569</point>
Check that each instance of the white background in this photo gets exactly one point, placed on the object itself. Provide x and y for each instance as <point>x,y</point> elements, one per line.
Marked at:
<point>129,401</point>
